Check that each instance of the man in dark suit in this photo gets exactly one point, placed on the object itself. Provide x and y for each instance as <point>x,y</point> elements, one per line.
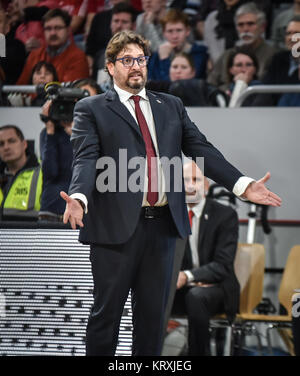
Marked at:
<point>132,228</point>
<point>284,68</point>
<point>206,284</point>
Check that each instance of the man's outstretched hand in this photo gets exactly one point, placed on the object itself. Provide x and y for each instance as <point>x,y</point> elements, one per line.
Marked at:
<point>258,193</point>
<point>73,212</point>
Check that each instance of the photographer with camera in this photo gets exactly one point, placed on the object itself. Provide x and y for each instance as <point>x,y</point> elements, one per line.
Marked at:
<point>56,155</point>
<point>55,147</point>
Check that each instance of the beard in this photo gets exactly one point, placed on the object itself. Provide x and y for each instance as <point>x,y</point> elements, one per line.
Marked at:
<point>136,85</point>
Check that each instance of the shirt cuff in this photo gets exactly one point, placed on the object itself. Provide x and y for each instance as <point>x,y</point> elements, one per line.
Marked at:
<point>190,277</point>
<point>241,185</point>
<point>81,197</point>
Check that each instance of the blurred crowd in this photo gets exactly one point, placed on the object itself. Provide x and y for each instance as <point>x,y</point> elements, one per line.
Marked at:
<point>207,52</point>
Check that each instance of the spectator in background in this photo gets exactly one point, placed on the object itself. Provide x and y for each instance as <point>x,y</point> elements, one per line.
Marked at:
<point>148,23</point>
<point>12,64</point>
<point>242,72</point>
<point>99,32</point>
<point>69,61</point>
<point>280,23</point>
<point>183,84</point>
<point>123,18</point>
<point>176,30</point>
<point>197,10</point>
<point>219,29</point>
<point>96,7</point>
<point>41,74</point>
<point>88,84</point>
<point>20,177</point>
<point>14,16</point>
<point>250,24</point>
<point>284,68</point>
<point>30,31</point>
<point>182,68</point>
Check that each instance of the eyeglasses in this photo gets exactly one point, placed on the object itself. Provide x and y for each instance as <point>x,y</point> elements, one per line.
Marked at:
<point>249,24</point>
<point>128,61</point>
<point>241,65</point>
<point>55,28</point>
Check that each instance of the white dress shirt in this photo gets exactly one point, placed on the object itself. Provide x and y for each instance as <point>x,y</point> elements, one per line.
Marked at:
<point>124,97</point>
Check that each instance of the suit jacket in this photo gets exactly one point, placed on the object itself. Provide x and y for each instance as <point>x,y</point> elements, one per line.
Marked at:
<point>277,74</point>
<point>103,126</point>
<point>217,245</point>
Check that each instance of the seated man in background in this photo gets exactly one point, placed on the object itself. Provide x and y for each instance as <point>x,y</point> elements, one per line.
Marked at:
<point>206,284</point>
<point>284,70</point>
<point>250,23</point>
<point>69,61</point>
<point>176,30</point>
<point>20,177</point>
<point>280,23</point>
<point>123,18</point>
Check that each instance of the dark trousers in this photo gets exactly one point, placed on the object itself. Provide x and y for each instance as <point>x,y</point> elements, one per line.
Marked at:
<point>200,304</point>
<point>144,265</point>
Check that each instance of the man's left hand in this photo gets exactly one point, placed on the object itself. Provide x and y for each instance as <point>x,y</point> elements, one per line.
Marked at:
<point>258,193</point>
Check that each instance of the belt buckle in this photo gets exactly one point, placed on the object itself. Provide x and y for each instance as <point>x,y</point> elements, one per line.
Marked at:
<point>149,212</point>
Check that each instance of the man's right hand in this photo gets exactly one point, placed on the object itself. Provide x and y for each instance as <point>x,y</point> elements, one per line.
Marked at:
<point>181,280</point>
<point>73,212</point>
<point>164,50</point>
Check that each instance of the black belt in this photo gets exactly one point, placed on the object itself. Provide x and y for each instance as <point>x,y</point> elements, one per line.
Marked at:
<point>154,211</point>
<point>51,218</point>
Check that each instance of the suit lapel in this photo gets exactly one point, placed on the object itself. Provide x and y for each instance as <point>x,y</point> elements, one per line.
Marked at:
<point>119,109</point>
<point>159,116</point>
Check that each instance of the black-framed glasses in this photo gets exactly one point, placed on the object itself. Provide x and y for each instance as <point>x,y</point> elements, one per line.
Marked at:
<point>128,61</point>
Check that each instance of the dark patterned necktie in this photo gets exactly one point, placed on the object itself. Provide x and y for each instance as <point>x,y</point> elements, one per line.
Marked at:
<point>152,195</point>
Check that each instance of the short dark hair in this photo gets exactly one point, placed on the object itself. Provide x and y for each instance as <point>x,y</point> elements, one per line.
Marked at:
<point>295,18</point>
<point>244,50</point>
<point>56,12</point>
<point>87,81</point>
<point>18,131</point>
<point>188,57</point>
<point>50,67</point>
<point>175,16</point>
<point>120,40</point>
<point>125,8</point>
